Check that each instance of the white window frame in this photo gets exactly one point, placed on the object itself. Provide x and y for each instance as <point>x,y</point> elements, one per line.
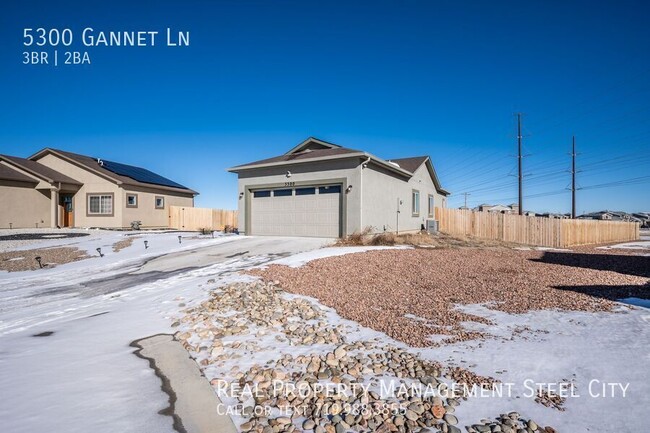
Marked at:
<point>155,202</point>
<point>415,202</point>
<point>105,204</point>
<point>432,204</point>
<point>135,200</point>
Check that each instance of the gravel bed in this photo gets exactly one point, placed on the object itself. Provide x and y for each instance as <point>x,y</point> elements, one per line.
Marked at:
<point>15,261</point>
<point>379,288</point>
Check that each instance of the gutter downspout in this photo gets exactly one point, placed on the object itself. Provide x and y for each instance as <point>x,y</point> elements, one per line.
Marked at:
<point>363,165</point>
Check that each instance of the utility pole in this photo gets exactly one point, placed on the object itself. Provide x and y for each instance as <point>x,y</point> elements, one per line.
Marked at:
<point>573,179</point>
<point>519,158</point>
<point>466,194</point>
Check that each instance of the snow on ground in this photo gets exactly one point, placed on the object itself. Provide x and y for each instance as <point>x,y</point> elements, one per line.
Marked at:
<point>548,347</point>
<point>638,245</point>
<point>297,260</point>
<point>84,377</point>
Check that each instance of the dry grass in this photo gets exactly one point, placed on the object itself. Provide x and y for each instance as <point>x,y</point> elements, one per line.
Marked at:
<point>16,261</point>
<point>124,243</point>
<point>420,239</point>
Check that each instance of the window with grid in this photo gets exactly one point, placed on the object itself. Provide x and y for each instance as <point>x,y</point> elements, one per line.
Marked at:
<point>100,204</point>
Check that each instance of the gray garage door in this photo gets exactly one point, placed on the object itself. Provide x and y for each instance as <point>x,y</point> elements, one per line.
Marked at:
<point>300,211</point>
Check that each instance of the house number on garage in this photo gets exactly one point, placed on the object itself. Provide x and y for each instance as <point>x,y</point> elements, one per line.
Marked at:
<point>289,183</point>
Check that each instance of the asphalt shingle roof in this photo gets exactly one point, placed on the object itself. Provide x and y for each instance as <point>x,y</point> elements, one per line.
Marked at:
<point>40,169</point>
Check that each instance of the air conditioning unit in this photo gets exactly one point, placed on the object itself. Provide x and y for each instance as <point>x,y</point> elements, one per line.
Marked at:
<point>432,226</point>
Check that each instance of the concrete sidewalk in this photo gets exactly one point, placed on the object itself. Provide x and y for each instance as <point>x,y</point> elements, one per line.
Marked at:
<point>192,401</point>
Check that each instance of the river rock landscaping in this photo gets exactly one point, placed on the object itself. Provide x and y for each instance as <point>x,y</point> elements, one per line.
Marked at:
<point>284,363</point>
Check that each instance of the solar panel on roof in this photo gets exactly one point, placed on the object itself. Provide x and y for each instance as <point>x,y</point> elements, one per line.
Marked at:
<point>139,174</point>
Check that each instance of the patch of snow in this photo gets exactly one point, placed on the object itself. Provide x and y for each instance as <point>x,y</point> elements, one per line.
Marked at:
<point>639,245</point>
<point>299,260</point>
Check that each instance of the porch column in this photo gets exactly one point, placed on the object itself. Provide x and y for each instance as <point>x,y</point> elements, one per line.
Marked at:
<point>54,208</point>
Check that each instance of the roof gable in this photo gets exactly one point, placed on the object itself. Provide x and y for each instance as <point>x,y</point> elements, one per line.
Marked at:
<point>313,149</point>
<point>311,144</point>
<point>39,170</point>
<point>410,164</point>
<point>9,173</point>
<point>414,163</point>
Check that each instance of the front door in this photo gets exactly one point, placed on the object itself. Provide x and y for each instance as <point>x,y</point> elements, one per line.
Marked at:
<point>68,211</point>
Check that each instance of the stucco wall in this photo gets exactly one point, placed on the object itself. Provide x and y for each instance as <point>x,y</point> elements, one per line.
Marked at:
<point>345,171</point>
<point>146,210</point>
<point>91,184</point>
<point>23,205</point>
<point>381,193</point>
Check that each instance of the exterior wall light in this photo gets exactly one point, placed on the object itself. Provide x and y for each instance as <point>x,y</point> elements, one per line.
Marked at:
<point>241,195</point>
<point>348,189</point>
<point>288,173</point>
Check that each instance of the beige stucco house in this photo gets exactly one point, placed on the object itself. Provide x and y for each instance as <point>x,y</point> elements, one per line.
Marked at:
<point>54,188</point>
<point>322,189</point>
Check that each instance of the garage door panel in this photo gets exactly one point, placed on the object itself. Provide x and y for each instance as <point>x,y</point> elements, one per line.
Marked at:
<point>297,215</point>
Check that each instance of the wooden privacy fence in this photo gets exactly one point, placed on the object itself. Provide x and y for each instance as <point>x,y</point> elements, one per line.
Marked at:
<point>196,218</point>
<point>546,232</point>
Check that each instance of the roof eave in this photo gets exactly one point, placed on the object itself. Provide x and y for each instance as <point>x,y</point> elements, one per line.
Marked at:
<point>379,161</point>
<point>239,168</point>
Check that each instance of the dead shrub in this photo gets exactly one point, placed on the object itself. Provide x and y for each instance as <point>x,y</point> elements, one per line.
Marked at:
<point>383,239</point>
<point>356,238</point>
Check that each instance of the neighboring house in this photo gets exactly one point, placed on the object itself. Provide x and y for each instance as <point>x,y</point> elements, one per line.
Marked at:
<point>552,215</point>
<point>612,216</point>
<point>498,208</point>
<point>322,189</point>
<point>57,188</point>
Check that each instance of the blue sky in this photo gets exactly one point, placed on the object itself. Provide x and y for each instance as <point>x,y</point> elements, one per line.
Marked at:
<point>394,78</point>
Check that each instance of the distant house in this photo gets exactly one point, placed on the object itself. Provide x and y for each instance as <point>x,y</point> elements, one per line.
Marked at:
<point>608,215</point>
<point>57,188</point>
<point>497,208</point>
<point>554,215</point>
<point>325,190</point>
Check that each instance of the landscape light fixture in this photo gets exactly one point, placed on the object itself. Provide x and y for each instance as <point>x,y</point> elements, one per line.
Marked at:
<point>212,234</point>
<point>99,250</point>
<point>179,239</point>
<point>146,244</point>
<point>38,259</point>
